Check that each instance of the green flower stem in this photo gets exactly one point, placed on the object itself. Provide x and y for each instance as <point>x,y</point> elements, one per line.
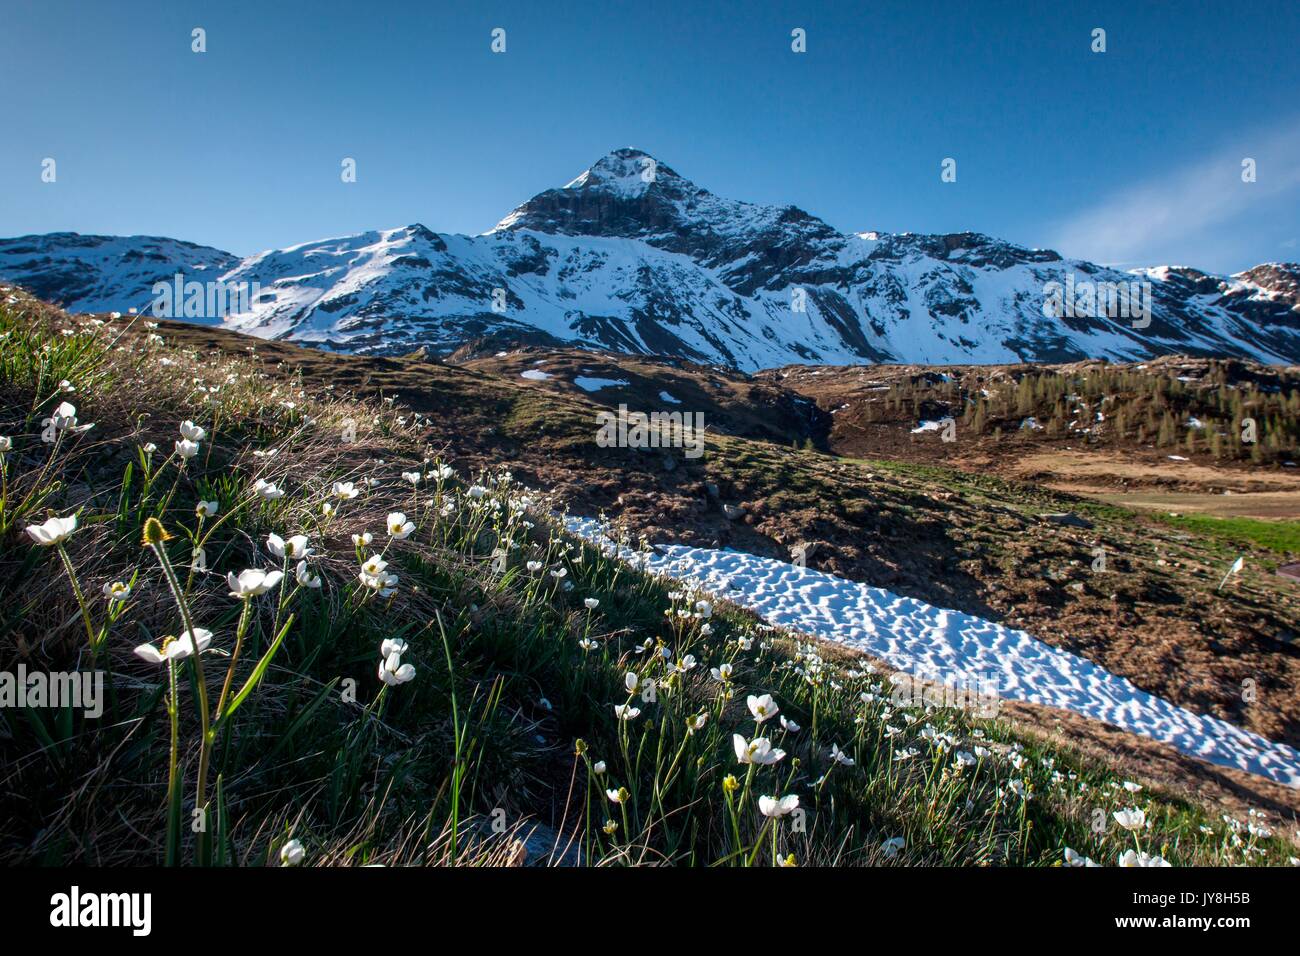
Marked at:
<point>244,616</point>
<point>198,531</point>
<point>173,760</point>
<point>758,842</point>
<point>459,767</point>
<point>180,470</point>
<point>204,725</point>
<point>81,601</point>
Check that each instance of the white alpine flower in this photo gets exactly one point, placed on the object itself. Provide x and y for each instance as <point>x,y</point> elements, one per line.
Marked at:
<point>398,526</point>
<point>64,418</point>
<point>626,712</point>
<point>176,649</point>
<point>251,582</point>
<point>763,707</point>
<point>1132,819</point>
<point>292,853</point>
<point>305,576</point>
<point>757,751</point>
<point>267,490</point>
<point>294,549</point>
<point>52,531</point>
<point>383,584</point>
<point>393,672</point>
<point>1136,858</point>
<point>840,757</point>
<point>778,806</point>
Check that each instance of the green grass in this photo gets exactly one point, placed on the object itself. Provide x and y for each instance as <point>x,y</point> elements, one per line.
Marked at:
<point>511,715</point>
<point>1282,537</point>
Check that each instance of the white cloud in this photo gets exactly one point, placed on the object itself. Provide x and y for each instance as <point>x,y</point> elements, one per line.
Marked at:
<point>1189,209</point>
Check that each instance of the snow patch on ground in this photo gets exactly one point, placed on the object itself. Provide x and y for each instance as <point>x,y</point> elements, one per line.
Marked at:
<point>588,384</point>
<point>948,646</point>
<point>665,397</point>
<point>535,375</point>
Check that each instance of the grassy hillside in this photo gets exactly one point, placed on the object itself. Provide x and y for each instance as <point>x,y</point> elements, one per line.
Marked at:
<point>963,537</point>
<point>1130,591</point>
<point>1282,537</point>
<point>530,680</point>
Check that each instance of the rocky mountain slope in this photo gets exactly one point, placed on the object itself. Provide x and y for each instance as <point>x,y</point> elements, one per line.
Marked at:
<point>106,273</point>
<point>631,256</point>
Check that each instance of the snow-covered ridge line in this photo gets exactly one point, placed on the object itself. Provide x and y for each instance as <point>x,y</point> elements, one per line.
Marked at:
<point>632,257</point>
<point>950,646</point>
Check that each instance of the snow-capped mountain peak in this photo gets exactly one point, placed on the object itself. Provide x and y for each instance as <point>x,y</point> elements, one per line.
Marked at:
<point>626,174</point>
<point>628,171</point>
<point>630,194</point>
<point>632,256</point>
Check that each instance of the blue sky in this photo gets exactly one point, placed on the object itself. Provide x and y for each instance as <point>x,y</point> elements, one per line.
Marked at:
<point>1130,156</point>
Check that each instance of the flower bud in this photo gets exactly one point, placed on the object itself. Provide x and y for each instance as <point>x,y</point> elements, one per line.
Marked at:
<point>154,533</point>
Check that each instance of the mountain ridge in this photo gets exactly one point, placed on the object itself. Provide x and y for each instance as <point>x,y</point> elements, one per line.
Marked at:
<point>633,257</point>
